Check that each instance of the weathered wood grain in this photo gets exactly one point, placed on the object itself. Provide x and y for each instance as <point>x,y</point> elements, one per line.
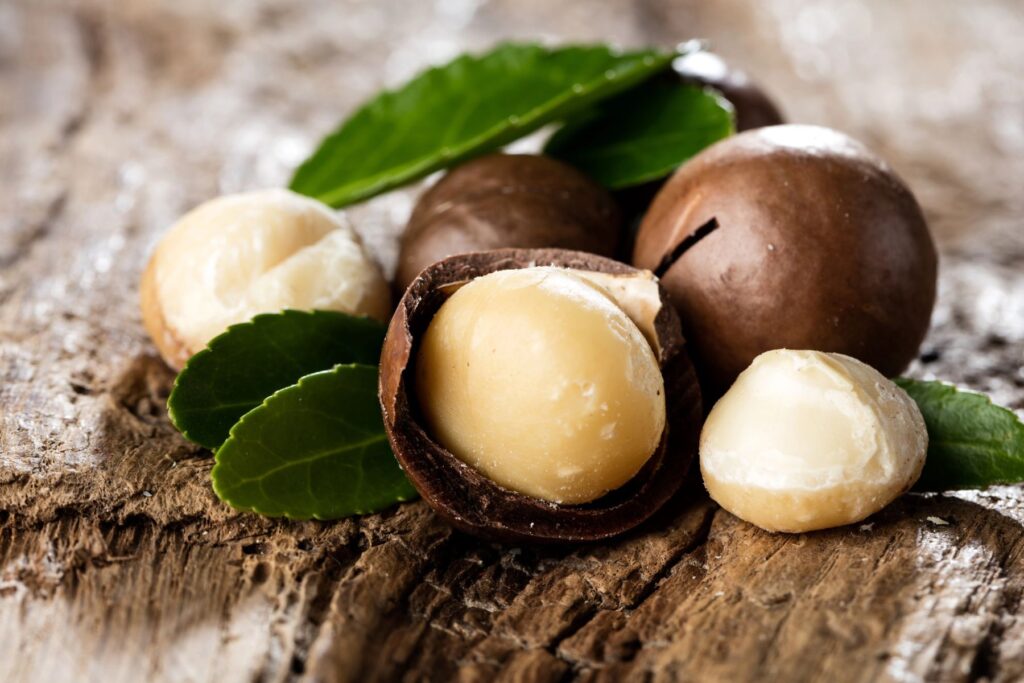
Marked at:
<point>118,564</point>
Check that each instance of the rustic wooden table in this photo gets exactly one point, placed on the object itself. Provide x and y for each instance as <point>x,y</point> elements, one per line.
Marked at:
<point>118,564</point>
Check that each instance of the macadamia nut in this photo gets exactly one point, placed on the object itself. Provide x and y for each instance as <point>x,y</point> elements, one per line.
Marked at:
<point>508,200</point>
<point>792,237</point>
<point>538,379</point>
<point>239,255</point>
<point>808,440</point>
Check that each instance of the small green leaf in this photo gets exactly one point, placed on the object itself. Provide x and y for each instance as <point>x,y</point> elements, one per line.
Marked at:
<point>250,361</point>
<point>972,443</point>
<point>644,134</point>
<point>469,106</point>
<point>316,449</point>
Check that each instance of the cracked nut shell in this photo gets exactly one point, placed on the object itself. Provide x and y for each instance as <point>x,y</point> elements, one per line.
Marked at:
<point>508,200</point>
<point>791,237</point>
<point>468,499</point>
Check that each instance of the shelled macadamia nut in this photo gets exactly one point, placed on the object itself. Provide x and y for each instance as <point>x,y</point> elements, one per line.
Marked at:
<point>791,237</point>
<point>508,200</point>
<point>807,440</point>
<point>541,395</point>
<point>537,378</point>
<point>240,255</point>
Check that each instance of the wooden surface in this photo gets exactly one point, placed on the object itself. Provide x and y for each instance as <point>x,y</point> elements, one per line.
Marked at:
<point>118,564</point>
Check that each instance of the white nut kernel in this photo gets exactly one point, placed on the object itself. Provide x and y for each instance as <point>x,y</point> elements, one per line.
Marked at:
<point>808,440</point>
<point>239,255</point>
<point>539,379</point>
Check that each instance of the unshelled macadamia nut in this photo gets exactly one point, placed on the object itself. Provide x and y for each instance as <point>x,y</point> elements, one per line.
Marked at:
<point>508,200</point>
<point>808,440</point>
<point>793,237</point>
<point>538,379</point>
<point>474,502</point>
<point>239,255</point>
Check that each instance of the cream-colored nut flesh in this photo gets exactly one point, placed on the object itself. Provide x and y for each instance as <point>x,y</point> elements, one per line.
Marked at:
<point>538,379</point>
<point>808,440</point>
<point>259,252</point>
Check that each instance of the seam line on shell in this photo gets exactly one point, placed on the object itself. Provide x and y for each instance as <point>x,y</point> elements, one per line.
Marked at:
<point>685,245</point>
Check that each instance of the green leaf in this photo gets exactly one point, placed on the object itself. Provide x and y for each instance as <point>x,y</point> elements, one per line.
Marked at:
<point>469,106</point>
<point>644,134</point>
<point>316,449</point>
<point>250,361</point>
<point>971,442</point>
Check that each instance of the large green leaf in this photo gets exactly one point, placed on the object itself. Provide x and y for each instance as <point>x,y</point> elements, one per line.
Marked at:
<point>644,134</point>
<point>250,361</point>
<point>972,443</point>
<point>313,450</point>
<point>472,105</point>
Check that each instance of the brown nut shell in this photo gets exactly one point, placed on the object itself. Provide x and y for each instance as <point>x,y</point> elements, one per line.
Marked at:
<point>468,499</point>
<point>791,237</point>
<point>508,200</point>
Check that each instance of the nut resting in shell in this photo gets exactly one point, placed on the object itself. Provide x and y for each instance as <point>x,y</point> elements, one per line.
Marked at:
<point>807,440</point>
<point>258,252</point>
<point>470,498</point>
<point>508,200</point>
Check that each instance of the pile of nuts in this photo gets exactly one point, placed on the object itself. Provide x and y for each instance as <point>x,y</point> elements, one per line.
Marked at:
<point>535,389</point>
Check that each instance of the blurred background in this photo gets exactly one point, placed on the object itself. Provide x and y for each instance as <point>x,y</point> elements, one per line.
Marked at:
<point>247,87</point>
<point>244,89</point>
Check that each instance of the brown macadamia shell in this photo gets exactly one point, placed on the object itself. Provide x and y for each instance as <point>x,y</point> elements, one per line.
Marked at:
<point>791,237</point>
<point>508,200</point>
<point>468,499</point>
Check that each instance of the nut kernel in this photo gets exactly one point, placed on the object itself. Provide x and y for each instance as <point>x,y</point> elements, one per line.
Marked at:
<point>808,440</point>
<point>258,252</point>
<point>537,378</point>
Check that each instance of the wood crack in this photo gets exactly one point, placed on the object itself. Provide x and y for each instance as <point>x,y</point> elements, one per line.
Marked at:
<point>92,41</point>
<point>648,589</point>
<point>35,233</point>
